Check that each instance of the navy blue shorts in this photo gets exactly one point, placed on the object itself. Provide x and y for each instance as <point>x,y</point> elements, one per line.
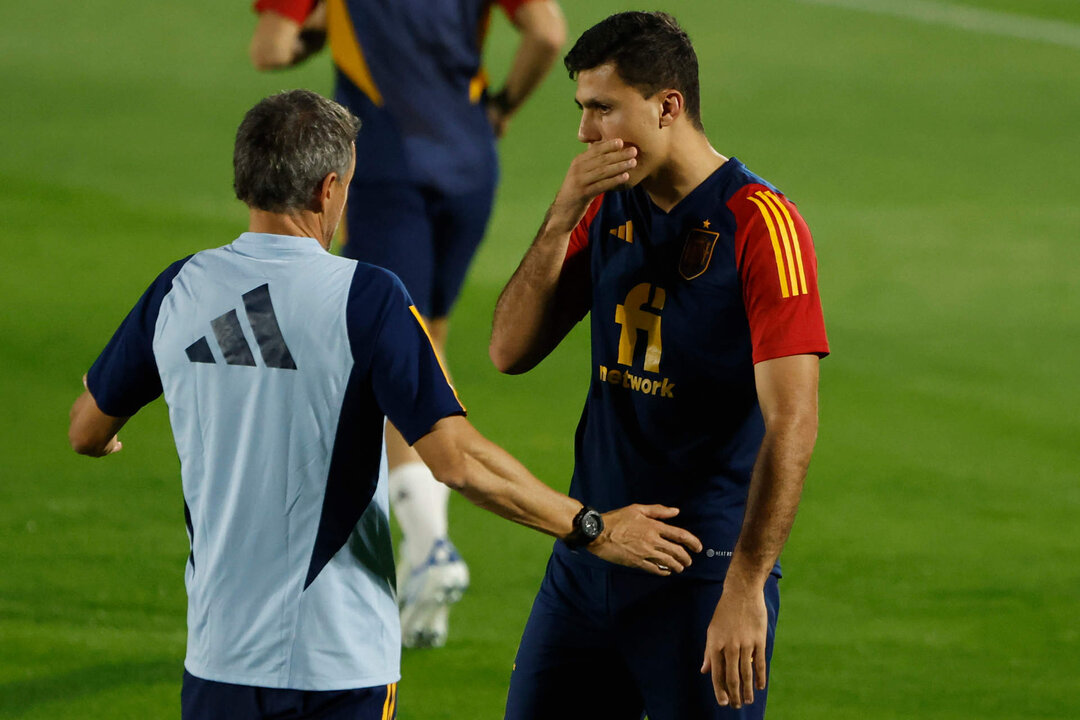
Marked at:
<point>424,236</point>
<point>607,643</point>
<point>208,700</point>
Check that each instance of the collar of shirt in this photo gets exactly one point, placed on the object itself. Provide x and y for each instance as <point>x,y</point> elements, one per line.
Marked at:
<point>701,197</point>
<point>267,245</point>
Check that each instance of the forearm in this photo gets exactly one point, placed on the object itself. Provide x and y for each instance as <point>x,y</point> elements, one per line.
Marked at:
<point>634,536</point>
<point>775,490</point>
<point>526,311</point>
<point>548,294</point>
<point>499,483</point>
<point>489,477</point>
<point>543,32</point>
<point>531,63</point>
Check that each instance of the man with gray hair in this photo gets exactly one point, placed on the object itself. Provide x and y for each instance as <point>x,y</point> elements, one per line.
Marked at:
<point>279,363</point>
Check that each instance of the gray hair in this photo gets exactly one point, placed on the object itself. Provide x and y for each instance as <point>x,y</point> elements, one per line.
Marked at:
<point>286,145</point>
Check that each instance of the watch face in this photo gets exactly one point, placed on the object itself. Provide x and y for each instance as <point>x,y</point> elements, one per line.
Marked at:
<point>591,524</point>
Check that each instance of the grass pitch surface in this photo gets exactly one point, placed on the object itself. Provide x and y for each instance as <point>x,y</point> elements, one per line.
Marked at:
<point>933,569</point>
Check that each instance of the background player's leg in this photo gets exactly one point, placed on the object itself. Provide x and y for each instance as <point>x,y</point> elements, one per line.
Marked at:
<point>420,501</point>
<point>459,223</point>
<point>431,574</point>
<point>389,225</point>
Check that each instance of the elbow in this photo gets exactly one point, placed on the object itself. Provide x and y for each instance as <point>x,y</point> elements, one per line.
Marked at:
<point>455,481</point>
<point>798,433</point>
<point>543,28</point>
<point>548,42</point>
<point>452,475</point>
<point>500,359</point>
<point>506,361</point>
<point>555,37</point>
<point>551,31</point>
<point>551,39</point>
<point>269,56</point>
<point>82,443</point>
<point>803,429</point>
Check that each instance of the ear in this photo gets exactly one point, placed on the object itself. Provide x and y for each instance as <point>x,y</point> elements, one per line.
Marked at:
<point>322,192</point>
<point>672,106</point>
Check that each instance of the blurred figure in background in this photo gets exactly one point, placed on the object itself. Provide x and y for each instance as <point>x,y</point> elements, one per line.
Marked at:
<point>411,70</point>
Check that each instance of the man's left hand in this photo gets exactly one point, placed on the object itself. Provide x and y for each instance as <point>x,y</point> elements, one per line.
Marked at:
<point>735,646</point>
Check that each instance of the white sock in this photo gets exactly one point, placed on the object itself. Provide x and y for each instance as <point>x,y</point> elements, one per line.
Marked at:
<point>419,502</point>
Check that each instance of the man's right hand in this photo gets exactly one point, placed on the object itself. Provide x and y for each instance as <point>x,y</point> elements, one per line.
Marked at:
<point>604,166</point>
<point>636,536</point>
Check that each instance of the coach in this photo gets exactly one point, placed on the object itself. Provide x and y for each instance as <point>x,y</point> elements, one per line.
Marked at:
<point>280,363</point>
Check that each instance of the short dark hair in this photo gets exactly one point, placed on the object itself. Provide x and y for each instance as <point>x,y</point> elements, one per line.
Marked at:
<point>650,52</point>
<point>286,145</point>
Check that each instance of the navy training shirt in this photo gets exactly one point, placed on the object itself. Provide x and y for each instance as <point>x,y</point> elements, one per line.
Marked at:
<point>683,304</point>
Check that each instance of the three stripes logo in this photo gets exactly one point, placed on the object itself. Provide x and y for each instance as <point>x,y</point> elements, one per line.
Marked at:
<point>234,346</point>
<point>785,242</point>
<point>624,231</point>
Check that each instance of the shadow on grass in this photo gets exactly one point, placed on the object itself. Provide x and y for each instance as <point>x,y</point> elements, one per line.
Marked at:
<point>20,696</point>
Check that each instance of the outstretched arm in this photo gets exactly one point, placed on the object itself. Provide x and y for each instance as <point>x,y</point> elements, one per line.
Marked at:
<point>543,32</point>
<point>491,478</point>
<point>735,647</point>
<point>545,297</point>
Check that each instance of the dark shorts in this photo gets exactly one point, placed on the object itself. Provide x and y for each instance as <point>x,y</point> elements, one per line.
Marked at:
<point>209,700</point>
<point>613,644</point>
<point>424,236</point>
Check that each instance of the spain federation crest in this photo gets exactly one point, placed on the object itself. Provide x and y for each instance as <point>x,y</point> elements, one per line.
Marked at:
<point>697,253</point>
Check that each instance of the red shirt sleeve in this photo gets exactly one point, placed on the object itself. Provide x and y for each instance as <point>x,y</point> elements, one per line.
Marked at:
<point>775,256</point>
<point>579,236</point>
<point>510,7</point>
<point>575,280</point>
<point>297,10</point>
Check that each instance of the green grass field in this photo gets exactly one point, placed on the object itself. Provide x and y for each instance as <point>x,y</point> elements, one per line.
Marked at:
<point>934,570</point>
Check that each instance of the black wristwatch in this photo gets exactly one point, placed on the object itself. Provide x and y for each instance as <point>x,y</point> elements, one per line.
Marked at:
<point>501,102</point>
<point>588,524</point>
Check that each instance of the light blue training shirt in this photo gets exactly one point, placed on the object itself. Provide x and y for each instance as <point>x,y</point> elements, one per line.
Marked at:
<point>279,363</point>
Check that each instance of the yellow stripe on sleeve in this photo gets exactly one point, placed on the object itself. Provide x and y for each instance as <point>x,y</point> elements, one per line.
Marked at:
<point>423,326</point>
<point>794,240</point>
<point>346,50</point>
<point>768,198</point>
<point>775,244</point>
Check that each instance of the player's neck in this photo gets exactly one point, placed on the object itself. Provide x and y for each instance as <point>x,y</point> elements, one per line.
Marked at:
<point>691,162</point>
<point>301,224</point>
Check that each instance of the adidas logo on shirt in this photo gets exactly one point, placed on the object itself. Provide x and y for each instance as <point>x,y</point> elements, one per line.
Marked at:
<point>232,343</point>
<point>624,231</point>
